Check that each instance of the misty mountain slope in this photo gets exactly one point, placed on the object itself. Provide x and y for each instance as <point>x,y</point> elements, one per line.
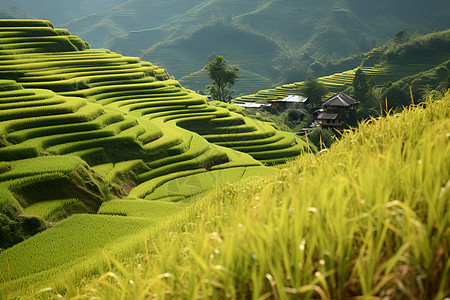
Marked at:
<point>294,22</point>
<point>132,15</point>
<point>188,55</point>
<point>199,16</point>
<point>63,11</point>
<point>4,14</point>
<point>9,11</point>
<point>304,32</point>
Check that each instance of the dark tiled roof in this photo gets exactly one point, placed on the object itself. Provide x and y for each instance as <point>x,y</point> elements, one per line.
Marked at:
<point>327,116</point>
<point>339,99</point>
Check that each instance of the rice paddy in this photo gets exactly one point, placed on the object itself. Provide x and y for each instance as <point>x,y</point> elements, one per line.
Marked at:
<point>85,132</point>
<point>109,151</point>
<point>381,72</point>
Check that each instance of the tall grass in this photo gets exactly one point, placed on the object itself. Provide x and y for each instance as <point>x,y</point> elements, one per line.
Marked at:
<point>367,219</point>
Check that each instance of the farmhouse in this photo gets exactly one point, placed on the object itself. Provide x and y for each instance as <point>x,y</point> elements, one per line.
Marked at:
<point>288,102</point>
<point>335,109</point>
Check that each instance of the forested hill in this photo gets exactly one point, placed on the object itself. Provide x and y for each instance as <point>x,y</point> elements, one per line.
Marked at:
<point>274,41</point>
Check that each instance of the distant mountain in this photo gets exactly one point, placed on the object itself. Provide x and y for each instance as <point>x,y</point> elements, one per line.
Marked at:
<point>10,11</point>
<point>4,14</point>
<point>281,40</point>
<point>99,28</point>
<point>63,11</point>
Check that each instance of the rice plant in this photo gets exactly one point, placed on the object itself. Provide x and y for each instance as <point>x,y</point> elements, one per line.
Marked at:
<point>367,219</point>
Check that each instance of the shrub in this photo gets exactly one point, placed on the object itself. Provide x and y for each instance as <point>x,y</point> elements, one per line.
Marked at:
<point>321,138</point>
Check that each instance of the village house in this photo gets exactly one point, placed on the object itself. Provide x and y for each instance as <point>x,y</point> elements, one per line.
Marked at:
<point>288,102</point>
<point>335,109</point>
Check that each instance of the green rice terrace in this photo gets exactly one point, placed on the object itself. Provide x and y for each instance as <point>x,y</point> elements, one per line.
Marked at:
<point>118,183</point>
<point>383,64</point>
<point>81,126</point>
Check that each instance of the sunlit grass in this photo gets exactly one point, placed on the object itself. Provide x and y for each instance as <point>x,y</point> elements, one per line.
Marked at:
<point>369,217</point>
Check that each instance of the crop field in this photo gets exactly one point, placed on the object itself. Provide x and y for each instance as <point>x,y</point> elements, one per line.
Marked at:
<point>154,210</point>
<point>105,151</point>
<point>106,147</point>
<point>123,83</point>
<point>52,210</point>
<point>289,236</point>
<point>413,57</point>
<point>89,234</point>
<point>334,83</point>
<point>339,81</point>
<point>295,237</point>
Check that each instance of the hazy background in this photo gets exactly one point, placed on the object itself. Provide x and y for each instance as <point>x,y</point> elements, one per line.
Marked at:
<point>273,41</point>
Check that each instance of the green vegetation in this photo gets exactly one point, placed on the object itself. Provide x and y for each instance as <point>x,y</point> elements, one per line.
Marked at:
<point>366,233</point>
<point>281,41</point>
<point>420,61</point>
<point>126,84</point>
<point>313,90</point>
<point>68,241</point>
<point>55,210</point>
<point>224,77</point>
<point>248,83</point>
<point>154,210</point>
<point>80,127</point>
<point>107,166</point>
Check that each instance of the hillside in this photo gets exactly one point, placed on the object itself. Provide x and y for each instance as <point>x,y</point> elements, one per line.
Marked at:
<point>82,128</point>
<point>343,224</point>
<point>61,11</point>
<point>8,11</point>
<point>296,33</point>
<point>391,62</point>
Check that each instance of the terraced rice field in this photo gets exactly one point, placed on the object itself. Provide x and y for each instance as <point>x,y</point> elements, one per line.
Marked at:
<point>81,126</point>
<point>125,84</point>
<point>339,81</point>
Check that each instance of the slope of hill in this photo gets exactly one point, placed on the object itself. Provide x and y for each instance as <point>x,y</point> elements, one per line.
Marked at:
<point>10,11</point>
<point>359,231</point>
<point>390,62</point>
<point>125,83</point>
<point>189,54</point>
<point>131,15</point>
<point>123,127</point>
<point>301,32</point>
<point>62,11</point>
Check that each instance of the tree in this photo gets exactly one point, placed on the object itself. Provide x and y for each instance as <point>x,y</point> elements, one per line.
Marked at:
<point>224,76</point>
<point>361,89</point>
<point>313,90</point>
